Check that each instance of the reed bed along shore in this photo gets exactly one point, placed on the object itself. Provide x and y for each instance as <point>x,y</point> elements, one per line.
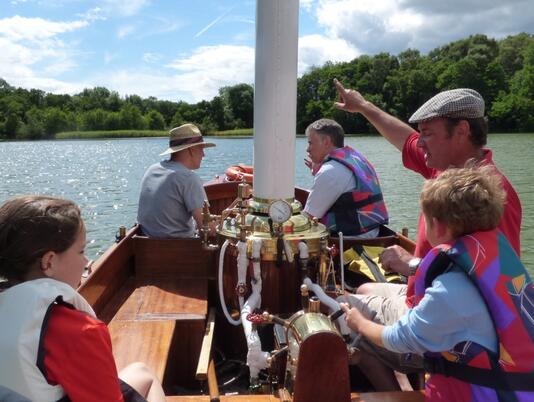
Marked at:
<point>72,135</point>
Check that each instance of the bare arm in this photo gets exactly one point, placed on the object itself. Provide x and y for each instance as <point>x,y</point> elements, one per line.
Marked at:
<point>197,216</point>
<point>391,128</point>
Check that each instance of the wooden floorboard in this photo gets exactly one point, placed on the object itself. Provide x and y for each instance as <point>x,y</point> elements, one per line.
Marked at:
<point>414,396</point>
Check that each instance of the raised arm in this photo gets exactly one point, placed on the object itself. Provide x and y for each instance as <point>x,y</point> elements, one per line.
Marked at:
<point>391,128</point>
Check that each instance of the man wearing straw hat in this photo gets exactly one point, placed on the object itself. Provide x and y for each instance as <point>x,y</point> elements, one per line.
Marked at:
<point>172,195</point>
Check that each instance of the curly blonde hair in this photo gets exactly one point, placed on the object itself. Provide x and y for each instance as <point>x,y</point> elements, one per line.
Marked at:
<point>467,200</point>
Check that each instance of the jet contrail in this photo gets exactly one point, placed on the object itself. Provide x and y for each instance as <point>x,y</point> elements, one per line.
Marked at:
<point>212,23</point>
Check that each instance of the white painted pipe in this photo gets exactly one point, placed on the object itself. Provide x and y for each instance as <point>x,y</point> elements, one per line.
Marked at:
<point>328,301</point>
<point>288,251</point>
<point>303,250</point>
<point>256,358</point>
<point>275,98</point>
<point>221,283</point>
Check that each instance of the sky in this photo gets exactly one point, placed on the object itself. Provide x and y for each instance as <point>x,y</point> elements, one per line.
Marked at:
<point>187,49</point>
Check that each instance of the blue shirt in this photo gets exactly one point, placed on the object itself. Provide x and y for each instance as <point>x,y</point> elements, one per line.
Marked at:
<point>451,311</point>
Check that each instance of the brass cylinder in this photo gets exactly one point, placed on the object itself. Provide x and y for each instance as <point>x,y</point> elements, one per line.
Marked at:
<point>304,298</point>
<point>314,304</point>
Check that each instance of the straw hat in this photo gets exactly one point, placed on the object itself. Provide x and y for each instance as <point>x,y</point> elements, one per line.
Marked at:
<point>183,137</point>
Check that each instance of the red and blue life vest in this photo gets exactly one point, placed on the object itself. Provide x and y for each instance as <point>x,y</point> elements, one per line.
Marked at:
<point>362,209</point>
<point>469,372</point>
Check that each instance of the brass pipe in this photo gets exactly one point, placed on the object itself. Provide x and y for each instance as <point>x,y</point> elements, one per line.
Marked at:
<point>315,304</point>
<point>304,297</point>
<point>322,271</point>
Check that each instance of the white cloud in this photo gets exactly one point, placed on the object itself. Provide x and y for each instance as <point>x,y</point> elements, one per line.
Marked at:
<point>368,25</point>
<point>35,51</point>
<point>211,67</point>
<point>30,42</point>
<point>151,57</point>
<point>306,4</point>
<point>125,8</point>
<point>35,29</point>
<point>315,50</point>
<point>125,31</point>
<point>94,14</point>
<point>393,25</point>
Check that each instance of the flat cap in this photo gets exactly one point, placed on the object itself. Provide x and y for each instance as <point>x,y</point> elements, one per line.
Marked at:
<point>455,103</point>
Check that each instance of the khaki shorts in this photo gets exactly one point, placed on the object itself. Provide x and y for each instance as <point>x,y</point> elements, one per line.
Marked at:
<point>388,305</point>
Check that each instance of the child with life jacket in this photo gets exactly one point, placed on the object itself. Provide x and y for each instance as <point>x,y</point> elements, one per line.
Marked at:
<point>473,319</point>
<point>52,345</point>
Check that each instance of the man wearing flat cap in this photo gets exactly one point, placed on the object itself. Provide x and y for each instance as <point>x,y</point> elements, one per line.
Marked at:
<point>172,194</point>
<point>452,130</point>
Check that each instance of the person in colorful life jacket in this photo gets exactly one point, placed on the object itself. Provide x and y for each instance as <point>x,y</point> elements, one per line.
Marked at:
<point>52,345</point>
<point>473,315</point>
<point>452,130</point>
<point>346,194</point>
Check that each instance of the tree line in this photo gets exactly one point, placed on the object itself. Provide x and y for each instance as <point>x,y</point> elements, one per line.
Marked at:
<point>501,70</point>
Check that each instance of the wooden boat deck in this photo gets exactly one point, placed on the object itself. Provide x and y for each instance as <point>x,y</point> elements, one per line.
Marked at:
<point>414,396</point>
<point>155,295</point>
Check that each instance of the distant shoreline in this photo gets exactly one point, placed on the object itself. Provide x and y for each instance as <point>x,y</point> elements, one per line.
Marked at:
<point>123,134</point>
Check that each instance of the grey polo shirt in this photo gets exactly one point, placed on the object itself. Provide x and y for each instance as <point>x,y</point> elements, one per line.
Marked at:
<point>169,194</point>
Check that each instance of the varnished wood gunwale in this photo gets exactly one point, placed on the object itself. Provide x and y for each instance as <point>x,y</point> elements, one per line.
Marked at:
<point>109,272</point>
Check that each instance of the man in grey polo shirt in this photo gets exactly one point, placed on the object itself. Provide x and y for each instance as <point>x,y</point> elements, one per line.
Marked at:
<point>172,195</point>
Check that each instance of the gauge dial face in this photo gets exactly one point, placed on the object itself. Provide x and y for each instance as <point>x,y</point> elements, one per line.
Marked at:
<point>280,211</point>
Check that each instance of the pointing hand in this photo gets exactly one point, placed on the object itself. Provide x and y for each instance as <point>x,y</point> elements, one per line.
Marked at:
<point>350,100</point>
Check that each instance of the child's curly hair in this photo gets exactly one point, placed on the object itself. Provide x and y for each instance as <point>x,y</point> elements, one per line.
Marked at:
<point>468,199</point>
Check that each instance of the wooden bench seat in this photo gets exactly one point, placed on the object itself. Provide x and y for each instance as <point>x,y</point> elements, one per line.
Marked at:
<point>142,341</point>
<point>158,315</point>
<point>177,299</point>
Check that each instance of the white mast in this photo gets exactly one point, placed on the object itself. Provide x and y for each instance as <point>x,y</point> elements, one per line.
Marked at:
<point>275,98</point>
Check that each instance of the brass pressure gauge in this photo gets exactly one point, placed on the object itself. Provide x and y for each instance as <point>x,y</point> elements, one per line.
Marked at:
<point>280,211</point>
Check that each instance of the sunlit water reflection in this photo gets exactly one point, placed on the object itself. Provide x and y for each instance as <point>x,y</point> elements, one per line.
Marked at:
<point>103,177</point>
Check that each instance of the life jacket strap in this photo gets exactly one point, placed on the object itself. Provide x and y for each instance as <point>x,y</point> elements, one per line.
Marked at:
<point>493,378</point>
<point>345,200</point>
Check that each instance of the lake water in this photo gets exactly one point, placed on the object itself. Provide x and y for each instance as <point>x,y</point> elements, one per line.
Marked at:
<point>103,177</point>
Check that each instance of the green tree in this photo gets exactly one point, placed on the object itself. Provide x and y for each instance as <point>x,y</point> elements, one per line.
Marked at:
<point>11,125</point>
<point>95,98</point>
<point>131,118</point>
<point>513,110</point>
<point>511,51</point>
<point>155,120</point>
<point>33,127</point>
<point>219,115</point>
<point>240,101</point>
<point>54,121</point>
<point>112,121</point>
<point>93,120</point>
